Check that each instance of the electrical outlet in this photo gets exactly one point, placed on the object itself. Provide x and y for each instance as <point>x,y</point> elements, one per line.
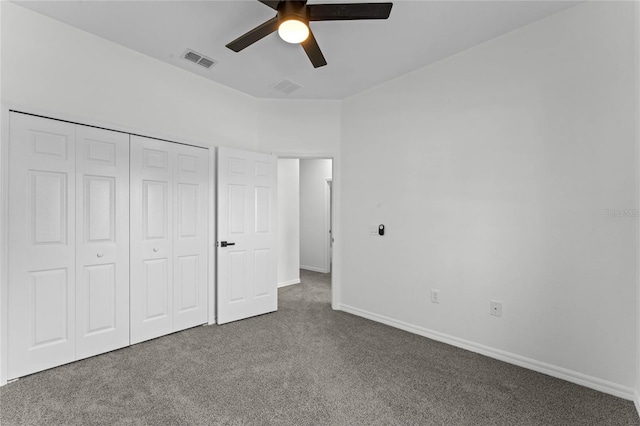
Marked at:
<point>495,308</point>
<point>435,296</point>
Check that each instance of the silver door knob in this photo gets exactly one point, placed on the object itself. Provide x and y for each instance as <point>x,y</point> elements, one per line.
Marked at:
<point>100,254</point>
<point>155,249</point>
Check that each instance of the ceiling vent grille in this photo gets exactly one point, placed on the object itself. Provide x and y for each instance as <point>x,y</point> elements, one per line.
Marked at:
<point>286,86</point>
<point>199,59</point>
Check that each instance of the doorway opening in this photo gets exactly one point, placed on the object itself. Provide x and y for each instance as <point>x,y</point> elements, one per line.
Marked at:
<point>305,219</point>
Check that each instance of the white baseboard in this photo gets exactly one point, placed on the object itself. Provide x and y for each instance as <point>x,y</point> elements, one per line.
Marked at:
<point>314,269</point>
<point>290,282</point>
<point>521,361</point>
<point>636,399</point>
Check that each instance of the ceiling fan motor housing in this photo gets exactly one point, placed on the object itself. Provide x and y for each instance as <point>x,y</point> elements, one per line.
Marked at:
<point>293,10</point>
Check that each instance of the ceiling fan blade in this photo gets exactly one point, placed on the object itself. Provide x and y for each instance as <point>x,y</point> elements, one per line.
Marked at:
<point>254,35</point>
<point>273,4</point>
<point>310,46</point>
<point>350,11</point>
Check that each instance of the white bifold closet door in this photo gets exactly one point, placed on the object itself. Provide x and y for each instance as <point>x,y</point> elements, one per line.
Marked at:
<point>102,241</point>
<point>169,206</point>
<point>68,238</point>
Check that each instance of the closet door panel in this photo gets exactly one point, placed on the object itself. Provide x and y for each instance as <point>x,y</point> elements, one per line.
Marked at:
<point>151,234</point>
<point>191,186</point>
<point>41,284</point>
<point>102,240</point>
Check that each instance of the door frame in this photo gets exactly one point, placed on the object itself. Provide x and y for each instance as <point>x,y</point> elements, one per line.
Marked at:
<point>336,192</point>
<point>328,189</point>
<point>5,110</point>
<point>4,242</point>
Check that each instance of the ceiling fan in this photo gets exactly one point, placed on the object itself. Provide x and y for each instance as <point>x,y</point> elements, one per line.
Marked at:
<point>292,23</point>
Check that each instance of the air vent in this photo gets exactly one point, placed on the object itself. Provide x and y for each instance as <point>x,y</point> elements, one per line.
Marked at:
<point>207,63</point>
<point>199,59</point>
<point>286,86</point>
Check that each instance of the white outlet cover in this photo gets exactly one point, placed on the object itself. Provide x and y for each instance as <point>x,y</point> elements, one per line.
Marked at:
<point>495,308</point>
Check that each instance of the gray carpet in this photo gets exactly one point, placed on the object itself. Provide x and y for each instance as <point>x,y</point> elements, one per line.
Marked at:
<point>304,365</point>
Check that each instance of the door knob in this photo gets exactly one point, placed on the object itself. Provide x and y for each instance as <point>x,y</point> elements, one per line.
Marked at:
<point>100,254</point>
<point>155,249</point>
<point>225,244</point>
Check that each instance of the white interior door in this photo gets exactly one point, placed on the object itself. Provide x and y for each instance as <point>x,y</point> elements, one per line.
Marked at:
<point>151,235</point>
<point>102,241</point>
<point>246,252</point>
<point>190,241</point>
<point>42,269</point>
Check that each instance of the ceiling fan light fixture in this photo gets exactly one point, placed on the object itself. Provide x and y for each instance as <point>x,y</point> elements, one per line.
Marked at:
<point>292,23</point>
<point>293,31</point>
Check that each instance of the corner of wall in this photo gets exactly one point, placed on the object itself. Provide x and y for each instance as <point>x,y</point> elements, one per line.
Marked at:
<point>636,398</point>
<point>288,283</point>
<point>4,193</point>
<point>2,252</point>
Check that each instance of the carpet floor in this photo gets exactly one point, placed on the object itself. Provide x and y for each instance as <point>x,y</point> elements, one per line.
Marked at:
<point>304,365</point>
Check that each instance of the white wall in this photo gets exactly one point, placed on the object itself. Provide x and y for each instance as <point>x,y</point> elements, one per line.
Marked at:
<point>637,39</point>
<point>314,219</point>
<point>51,66</point>
<point>3,225</point>
<point>493,171</point>
<point>288,222</point>
<point>299,128</point>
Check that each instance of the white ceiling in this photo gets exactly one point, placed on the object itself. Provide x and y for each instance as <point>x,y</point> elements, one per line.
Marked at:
<point>360,54</point>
